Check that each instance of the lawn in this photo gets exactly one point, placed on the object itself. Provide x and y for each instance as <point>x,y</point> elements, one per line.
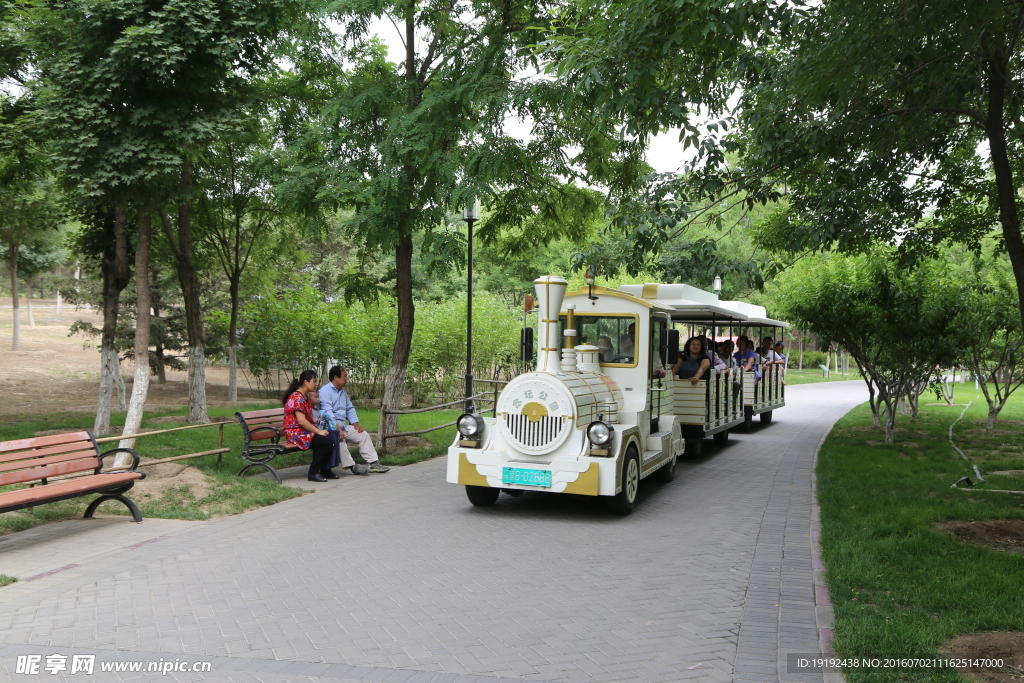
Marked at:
<point>226,493</point>
<point>814,375</point>
<point>899,586</point>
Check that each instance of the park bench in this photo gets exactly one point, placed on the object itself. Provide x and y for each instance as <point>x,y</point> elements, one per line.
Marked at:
<point>37,461</point>
<point>262,425</point>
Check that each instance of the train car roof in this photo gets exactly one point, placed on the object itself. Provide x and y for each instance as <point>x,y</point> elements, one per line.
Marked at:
<point>691,304</point>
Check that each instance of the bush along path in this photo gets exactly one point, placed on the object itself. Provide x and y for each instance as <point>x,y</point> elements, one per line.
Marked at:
<point>916,567</point>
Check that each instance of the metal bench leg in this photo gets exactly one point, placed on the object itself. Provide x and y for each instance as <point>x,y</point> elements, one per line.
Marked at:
<point>265,466</point>
<point>132,507</point>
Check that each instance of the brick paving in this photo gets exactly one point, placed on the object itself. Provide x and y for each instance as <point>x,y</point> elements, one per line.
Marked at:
<point>397,578</point>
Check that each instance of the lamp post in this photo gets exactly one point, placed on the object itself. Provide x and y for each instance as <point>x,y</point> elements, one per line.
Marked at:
<point>469,214</point>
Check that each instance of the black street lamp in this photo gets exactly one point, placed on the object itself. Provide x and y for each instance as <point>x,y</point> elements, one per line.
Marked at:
<point>470,214</point>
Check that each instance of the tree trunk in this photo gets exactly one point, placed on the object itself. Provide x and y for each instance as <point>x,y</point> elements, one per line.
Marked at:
<point>800,365</point>
<point>12,266</point>
<point>395,384</point>
<point>181,245</point>
<point>232,342</point>
<point>115,279</point>
<point>28,303</point>
<point>119,383</point>
<point>140,383</point>
<point>1006,190</point>
<point>876,422</point>
<point>889,417</point>
<point>993,415</point>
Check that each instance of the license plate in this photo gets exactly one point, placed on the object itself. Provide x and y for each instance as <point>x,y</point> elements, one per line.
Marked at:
<point>516,475</point>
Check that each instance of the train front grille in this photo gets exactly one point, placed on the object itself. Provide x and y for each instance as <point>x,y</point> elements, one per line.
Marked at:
<point>535,434</point>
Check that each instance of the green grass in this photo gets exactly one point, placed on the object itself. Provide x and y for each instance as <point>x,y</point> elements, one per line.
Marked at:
<point>898,587</point>
<point>813,376</point>
<point>6,580</point>
<point>228,493</point>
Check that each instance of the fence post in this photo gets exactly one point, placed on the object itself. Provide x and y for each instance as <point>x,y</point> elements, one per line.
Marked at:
<point>220,444</point>
<point>381,436</point>
<point>494,403</point>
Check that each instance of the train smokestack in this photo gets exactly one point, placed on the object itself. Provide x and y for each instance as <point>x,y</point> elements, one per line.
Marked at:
<point>550,291</point>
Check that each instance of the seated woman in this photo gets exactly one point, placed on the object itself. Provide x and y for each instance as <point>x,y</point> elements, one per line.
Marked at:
<point>299,430</point>
<point>606,348</point>
<point>693,362</point>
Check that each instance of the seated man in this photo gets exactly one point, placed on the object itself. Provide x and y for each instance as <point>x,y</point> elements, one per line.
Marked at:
<point>334,402</point>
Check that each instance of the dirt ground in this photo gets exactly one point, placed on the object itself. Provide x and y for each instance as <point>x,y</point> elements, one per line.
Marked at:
<point>1005,645</point>
<point>1006,535</point>
<point>56,373</point>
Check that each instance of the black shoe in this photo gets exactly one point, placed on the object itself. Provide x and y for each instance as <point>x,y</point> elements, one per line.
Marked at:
<point>329,474</point>
<point>316,477</point>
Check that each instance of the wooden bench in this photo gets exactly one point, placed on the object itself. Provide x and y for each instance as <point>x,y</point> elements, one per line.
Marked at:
<point>36,461</point>
<point>262,425</point>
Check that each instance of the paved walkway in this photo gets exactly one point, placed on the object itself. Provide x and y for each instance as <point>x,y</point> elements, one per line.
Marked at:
<point>397,578</point>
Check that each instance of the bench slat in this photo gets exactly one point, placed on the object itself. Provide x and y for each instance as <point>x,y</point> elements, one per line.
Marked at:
<point>37,473</point>
<point>270,419</point>
<point>261,413</point>
<point>41,441</point>
<point>39,462</point>
<point>83,484</point>
<point>51,450</point>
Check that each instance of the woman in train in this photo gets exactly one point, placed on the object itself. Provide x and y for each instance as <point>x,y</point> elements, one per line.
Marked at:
<point>693,362</point>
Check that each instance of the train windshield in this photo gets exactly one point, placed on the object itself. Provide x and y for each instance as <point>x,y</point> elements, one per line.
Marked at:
<point>614,335</point>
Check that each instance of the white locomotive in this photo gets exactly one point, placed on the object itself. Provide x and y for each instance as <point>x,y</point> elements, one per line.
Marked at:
<point>603,410</point>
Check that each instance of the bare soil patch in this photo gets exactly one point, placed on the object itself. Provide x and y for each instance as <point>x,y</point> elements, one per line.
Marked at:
<point>1006,535</point>
<point>55,373</point>
<point>403,444</point>
<point>165,475</point>
<point>1005,645</point>
<point>1009,473</point>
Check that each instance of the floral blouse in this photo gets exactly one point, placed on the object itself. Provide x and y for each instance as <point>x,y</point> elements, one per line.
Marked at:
<point>293,431</point>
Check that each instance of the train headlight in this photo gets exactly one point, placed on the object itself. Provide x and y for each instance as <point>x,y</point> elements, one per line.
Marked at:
<point>600,433</point>
<point>470,425</point>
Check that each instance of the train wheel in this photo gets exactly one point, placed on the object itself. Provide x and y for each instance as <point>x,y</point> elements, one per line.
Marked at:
<point>748,422</point>
<point>482,496</point>
<point>766,417</point>
<point>694,448</point>
<point>721,437</point>
<point>622,503</point>
<point>666,472</point>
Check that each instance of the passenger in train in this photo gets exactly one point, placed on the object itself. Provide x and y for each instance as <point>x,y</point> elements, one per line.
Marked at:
<point>709,349</point>
<point>745,357</point>
<point>779,351</point>
<point>727,353</point>
<point>767,352</point>
<point>605,346</point>
<point>694,361</point>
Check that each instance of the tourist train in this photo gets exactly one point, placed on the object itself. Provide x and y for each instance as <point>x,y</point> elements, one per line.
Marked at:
<point>603,410</point>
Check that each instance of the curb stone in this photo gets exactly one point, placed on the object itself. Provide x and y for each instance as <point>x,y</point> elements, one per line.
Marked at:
<point>823,613</point>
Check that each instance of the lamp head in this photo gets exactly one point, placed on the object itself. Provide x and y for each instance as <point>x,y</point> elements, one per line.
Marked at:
<point>472,210</point>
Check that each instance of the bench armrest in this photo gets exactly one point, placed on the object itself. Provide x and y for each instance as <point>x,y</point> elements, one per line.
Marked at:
<point>130,451</point>
<point>274,439</point>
